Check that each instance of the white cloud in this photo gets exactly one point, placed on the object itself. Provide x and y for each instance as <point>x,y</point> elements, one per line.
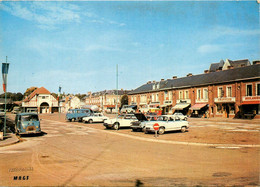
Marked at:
<point>222,30</point>
<point>209,48</point>
<point>48,15</point>
<point>101,48</point>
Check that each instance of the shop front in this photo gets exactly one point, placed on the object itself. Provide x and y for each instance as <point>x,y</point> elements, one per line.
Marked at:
<point>250,107</point>
<point>166,107</point>
<point>200,110</point>
<point>225,107</point>
<point>182,108</point>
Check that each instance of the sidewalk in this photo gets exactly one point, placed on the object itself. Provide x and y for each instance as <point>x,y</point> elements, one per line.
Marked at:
<point>9,139</point>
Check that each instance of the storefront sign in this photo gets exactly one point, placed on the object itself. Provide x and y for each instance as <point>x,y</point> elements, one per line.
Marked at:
<point>251,98</point>
<point>225,100</point>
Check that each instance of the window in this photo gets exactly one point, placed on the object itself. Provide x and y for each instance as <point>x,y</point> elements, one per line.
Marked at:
<point>43,97</point>
<point>157,97</point>
<point>258,89</point>
<point>170,96</point>
<point>220,92</point>
<point>249,90</point>
<point>180,95</point>
<point>166,95</point>
<point>186,94</point>
<point>198,94</point>
<point>229,91</point>
<point>205,93</point>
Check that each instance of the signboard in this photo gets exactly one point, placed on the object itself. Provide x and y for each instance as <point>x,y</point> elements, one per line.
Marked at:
<point>156,126</point>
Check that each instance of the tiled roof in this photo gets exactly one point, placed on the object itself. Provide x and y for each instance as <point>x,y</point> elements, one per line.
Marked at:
<point>230,75</point>
<point>216,66</point>
<point>239,63</point>
<point>40,90</point>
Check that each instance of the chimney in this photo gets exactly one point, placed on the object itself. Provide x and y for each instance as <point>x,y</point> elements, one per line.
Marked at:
<point>189,74</point>
<point>230,67</point>
<point>162,79</point>
<point>149,82</point>
<point>154,81</point>
<point>206,71</point>
<point>174,77</point>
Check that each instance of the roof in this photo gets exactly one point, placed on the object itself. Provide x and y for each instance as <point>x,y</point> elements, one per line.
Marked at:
<point>239,63</point>
<point>38,91</point>
<point>216,66</point>
<point>231,75</point>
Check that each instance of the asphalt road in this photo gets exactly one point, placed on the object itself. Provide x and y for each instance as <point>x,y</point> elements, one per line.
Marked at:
<point>72,154</point>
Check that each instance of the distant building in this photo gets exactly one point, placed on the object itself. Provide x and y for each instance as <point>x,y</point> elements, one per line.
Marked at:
<point>228,64</point>
<point>40,100</point>
<point>106,100</point>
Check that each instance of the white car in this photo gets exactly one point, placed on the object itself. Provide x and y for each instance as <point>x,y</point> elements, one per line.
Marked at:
<point>121,121</point>
<point>95,117</point>
<point>167,123</point>
<point>180,115</point>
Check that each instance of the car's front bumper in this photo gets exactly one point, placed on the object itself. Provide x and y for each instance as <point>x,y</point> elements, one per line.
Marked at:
<point>108,125</point>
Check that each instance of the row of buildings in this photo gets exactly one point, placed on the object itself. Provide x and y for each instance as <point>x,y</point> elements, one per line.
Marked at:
<point>227,89</point>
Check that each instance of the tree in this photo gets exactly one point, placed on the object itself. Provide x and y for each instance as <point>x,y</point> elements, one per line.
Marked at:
<point>29,91</point>
<point>124,100</point>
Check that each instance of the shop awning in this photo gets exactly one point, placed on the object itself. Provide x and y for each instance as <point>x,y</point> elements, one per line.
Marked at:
<point>180,106</point>
<point>251,103</point>
<point>198,106</point>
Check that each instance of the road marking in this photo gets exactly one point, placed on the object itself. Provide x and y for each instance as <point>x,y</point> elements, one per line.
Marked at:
<point>168,141</point>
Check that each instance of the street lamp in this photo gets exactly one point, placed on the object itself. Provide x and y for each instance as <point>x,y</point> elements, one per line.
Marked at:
<point>5,67</point>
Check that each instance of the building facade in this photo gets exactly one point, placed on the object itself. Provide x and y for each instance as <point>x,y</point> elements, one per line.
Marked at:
<point>40,100</point>
<point>106,100</point>
<point>232,92</point>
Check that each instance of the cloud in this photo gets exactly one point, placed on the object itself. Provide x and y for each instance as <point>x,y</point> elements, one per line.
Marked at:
<point>49,15</point>
<point>209,48</point>
<point>101,48</point>
<point>222,30</point>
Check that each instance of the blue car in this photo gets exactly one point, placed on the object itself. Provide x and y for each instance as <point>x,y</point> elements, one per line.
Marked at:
<point>27,123</point>
<point>77,114</point>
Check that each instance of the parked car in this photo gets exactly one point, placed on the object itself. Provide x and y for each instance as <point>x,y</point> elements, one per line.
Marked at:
<point>167,123</point>
<point>121,121</point>
<point>180,115</point>
<point>140,124</point>
<point>27,123</point>
<point>128,109</point>
<point>2,112</point>
<point>16,110</point>
<point>77,114</point>
<point>95,117</point>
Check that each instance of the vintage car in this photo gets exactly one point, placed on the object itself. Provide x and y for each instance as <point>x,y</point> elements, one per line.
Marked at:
<point>95,117</point>
<point>180,115</point>
<point>128,109</point>
<point>140,124</point>
<point>167,123</point>
<point>77,114</point>
<point>121,121</point>
<point>27,123</point>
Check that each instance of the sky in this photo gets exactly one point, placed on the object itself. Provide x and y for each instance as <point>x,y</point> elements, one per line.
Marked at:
<point>78,44</point>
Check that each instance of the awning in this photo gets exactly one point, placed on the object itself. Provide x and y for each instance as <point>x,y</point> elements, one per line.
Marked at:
<point>180,106</point>
<point>251,103</point>
<point>198,106</point>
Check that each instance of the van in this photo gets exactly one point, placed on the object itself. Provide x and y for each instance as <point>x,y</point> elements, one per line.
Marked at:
<point>27,123</point>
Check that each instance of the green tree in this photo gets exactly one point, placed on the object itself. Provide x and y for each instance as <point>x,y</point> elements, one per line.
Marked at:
<point>124,100</point>
<point>29,91</point>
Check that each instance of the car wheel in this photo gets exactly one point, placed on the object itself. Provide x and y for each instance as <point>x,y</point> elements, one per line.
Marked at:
<point>161,130</point>
<point>116,126</point>
<point>90,121</point>
<point>134,130</point>
<point>183,129</point>
<point>70,120</point>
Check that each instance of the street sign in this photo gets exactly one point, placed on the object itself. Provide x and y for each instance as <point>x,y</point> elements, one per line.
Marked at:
<point>156,126</point>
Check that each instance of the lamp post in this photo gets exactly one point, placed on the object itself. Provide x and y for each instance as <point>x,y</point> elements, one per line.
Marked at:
<point>5,67</point>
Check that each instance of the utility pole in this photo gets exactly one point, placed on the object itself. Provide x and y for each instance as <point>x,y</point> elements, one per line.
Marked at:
<point>117,109</point>
<point>5,67</point>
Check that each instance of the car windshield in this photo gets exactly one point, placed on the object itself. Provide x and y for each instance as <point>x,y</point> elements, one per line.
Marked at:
<point>162,118</point>
<point>30,118</point>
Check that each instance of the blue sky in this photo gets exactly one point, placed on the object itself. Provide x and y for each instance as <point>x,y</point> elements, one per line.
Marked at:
<point>77,44</point>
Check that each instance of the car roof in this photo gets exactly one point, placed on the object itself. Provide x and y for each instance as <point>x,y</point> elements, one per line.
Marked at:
<point>27,113</point>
